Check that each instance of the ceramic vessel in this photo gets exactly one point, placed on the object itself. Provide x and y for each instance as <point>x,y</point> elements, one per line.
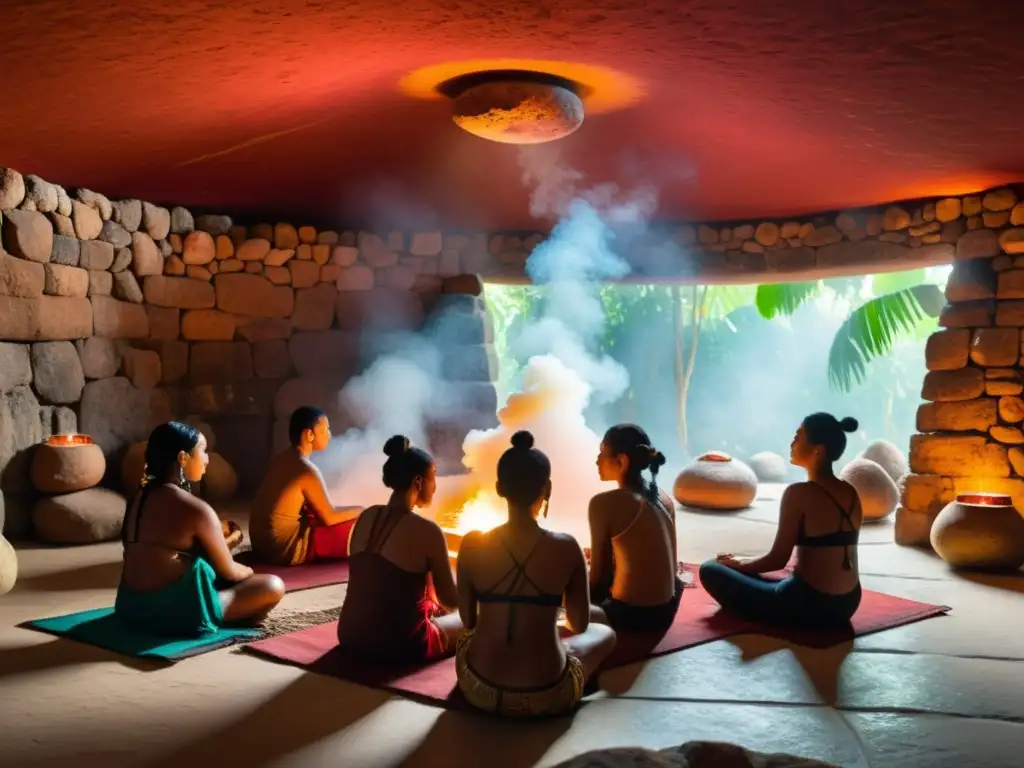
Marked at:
<point>716,481</point>
<point>980,530</point>
<point>67,463</point>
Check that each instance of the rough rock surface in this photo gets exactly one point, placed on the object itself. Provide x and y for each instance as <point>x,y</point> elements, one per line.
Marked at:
<point>57,372</point>
<point>114,413</point>
<point>82,517</point>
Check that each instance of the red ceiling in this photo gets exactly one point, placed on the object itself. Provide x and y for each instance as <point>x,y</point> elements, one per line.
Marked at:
<point>752,108</point>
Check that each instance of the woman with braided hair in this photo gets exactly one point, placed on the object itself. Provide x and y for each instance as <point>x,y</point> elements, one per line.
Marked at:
<point>633,567</point>
<point>179,579</point>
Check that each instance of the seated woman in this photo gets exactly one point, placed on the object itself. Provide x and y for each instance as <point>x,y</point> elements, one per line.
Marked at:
<point>512,582</point>
<point>822,519</point>
<point>400,582</point>
<point>179,578</point>
<point>633,538</point>
<point>293,520</point>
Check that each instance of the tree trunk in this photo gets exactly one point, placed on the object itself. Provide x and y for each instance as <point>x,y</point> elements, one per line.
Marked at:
<point>686,354</point>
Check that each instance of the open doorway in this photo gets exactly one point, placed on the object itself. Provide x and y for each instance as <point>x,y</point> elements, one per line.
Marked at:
<point>736,367</point>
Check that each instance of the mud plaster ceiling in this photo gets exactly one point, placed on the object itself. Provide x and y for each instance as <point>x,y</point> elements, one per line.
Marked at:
<point>291,107</point>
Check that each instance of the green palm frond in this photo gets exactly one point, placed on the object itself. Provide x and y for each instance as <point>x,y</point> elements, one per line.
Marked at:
<point>890,282</point>
<point>871,330</point>
<point>783,298</point>
<point>723,300</point>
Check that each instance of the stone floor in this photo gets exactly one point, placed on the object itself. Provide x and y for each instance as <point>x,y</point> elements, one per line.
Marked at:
<point>943,692</point>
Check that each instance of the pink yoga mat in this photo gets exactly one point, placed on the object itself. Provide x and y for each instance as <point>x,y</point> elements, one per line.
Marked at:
<point>299,577</point>
<point>698,621</point>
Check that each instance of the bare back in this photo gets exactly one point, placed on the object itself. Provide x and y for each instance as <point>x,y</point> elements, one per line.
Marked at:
<point>277,528</point>
<point>406,543</point>
<point>827,506</point>
<point>526,574</point>
<point>174,526</point>
<point>642,540</point>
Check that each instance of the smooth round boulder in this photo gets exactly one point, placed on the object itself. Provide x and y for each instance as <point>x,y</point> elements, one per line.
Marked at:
<point>132,466</point>
<point>879,495</point>
<point>205,428</point>
<point>82,517</point>
<point>220,481</point>
<point>888,457</point>
<point>769,467</point>
<point>67,463</point>
<point>716,481</point>
<point>982,531</point>
<point>8,566</point>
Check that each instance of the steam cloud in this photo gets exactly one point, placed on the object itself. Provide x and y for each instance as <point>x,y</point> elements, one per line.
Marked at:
<point>563,374</point>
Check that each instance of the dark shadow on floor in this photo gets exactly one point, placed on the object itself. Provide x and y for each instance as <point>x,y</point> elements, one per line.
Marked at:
<point>310,709</point>
<point>821,665</point>
<point>472,740</point>
<point>96,576</point>
<point>1012,582</point>
<point>61,652</point>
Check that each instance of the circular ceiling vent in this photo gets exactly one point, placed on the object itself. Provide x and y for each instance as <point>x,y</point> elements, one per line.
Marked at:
<point>515,106</point>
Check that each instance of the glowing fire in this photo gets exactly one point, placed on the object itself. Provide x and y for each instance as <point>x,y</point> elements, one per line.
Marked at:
<point>66,440</point>
<point>482,513</point>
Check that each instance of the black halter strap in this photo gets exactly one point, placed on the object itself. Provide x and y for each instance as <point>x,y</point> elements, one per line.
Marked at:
<point>847,516</point>
<point>519,579</point>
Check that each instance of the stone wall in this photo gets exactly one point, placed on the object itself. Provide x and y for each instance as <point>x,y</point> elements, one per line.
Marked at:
<point>117,315</point>
<point>970,436</point>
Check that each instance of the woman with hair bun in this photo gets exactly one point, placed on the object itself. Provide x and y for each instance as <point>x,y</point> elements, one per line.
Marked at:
<point>179,578</point>
<point>512,582</point>
<point>821,519</point>
<point>401,591</point>
<point>633,567</point>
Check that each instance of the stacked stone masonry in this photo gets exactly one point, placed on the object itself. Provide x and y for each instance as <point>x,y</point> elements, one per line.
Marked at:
<point>116,314</point>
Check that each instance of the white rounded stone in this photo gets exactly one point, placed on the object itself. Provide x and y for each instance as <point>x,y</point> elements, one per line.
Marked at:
<point>8,566</point>
<point>888,457</point>
<point>769,467</point>
<point>879,495</point>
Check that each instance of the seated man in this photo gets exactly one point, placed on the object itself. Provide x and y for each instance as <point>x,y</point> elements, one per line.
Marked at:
<point>293,521</point>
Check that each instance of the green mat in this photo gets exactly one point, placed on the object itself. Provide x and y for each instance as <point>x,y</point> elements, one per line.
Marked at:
<point>102,628</point>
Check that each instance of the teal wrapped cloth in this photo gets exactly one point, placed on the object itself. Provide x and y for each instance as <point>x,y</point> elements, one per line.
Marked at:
<point>190,607</point>
<point>178,621</point>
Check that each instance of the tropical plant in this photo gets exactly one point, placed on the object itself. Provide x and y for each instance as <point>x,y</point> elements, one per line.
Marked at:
<point>895,305</point>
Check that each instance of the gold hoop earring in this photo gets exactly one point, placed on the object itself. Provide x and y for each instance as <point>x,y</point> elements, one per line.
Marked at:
<point>545,512</point>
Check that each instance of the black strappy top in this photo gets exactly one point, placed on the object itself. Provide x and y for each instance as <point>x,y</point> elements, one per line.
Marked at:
<point>845,538</point>
<point>143,498</point>
<point>512,595</point>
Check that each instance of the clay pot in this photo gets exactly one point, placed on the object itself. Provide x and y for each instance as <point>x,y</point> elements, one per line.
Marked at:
<point>716,481</point>
<point>8,566</point>
<point>67,463</point>
<point>980,530</point>
<point>220,482</point>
